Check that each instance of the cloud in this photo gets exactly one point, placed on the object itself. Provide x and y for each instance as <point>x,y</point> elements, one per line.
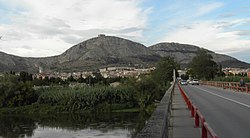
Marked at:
<point>233,23</point>
<point>34,47</point>
<point>210,25</point>
<point>26,47</point>
<point>46,24</point>
<point>209,35</point>
<point>244,33</point>
<point>226,15</point>
<point>207,8</point>
<point>197,34</point>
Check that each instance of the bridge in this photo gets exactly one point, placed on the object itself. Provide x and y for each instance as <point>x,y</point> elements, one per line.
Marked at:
<point>209,110</point>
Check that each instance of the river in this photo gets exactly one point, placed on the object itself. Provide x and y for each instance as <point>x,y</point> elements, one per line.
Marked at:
<point>103,125</point>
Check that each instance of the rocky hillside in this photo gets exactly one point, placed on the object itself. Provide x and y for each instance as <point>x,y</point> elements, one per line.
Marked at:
<point>11,62</point>
<point>15,63</point>
<point>184,53</point>
<point>94,53</point>
<point>106,51</point>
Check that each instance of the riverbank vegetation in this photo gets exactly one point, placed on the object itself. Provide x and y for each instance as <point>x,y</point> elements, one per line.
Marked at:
<point>18,94</point>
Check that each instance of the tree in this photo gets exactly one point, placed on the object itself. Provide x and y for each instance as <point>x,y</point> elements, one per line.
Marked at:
<point>14,92</point>
<point>25,76</point>
<point>146,91</point>
<point>184,76</point>
<point>80,79</point>
<point>164,70</point>
<point>89,80</point>
<point>98,77</point>
<point>220,72</point>
<point>71,79</point>
<point>203,66</point>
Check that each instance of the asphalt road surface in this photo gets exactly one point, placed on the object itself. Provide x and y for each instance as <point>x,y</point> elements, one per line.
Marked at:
<point>227,112</point>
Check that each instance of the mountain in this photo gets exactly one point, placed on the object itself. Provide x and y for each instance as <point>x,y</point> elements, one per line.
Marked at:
<point>184,53</point>
<point>15,63</point>
<point>101,51</point>
<point>104,51</point>
<point>11,62</point>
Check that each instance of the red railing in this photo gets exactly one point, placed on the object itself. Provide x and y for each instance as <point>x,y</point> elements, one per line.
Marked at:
<point>199,118</point>
<point>228,85</point>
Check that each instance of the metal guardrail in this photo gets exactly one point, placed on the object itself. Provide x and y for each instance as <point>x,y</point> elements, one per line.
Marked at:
<point>206,130</point>
<point>228,85</point>
<point>157,125</point>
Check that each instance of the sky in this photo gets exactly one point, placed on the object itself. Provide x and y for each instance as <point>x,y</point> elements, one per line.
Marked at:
<point>38,28</point>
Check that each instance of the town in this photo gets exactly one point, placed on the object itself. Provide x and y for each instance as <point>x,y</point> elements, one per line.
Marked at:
<point>108,72</point>
<point>116,72</point>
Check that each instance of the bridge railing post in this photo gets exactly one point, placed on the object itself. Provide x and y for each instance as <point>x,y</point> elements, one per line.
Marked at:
<point>197,120</point>
<point>192,110</point>
<point>203,131</point>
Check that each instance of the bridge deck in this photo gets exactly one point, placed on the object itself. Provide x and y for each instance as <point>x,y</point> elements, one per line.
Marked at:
<point>181,122</point>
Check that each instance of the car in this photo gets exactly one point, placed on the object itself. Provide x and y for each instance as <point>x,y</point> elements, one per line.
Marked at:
<point>183,82</point>
<point>189,81</point>
<point>195,82</point>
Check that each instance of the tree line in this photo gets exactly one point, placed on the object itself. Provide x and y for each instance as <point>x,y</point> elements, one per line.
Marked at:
<point>141,92</point>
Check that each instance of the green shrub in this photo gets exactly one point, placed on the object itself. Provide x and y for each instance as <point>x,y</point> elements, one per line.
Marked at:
<point>87,98</point>
<point>14,93</point>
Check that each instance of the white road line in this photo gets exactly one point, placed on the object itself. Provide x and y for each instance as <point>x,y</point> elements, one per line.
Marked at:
<point>225,98</point>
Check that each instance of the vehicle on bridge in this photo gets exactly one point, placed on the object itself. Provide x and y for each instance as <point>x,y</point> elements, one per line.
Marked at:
<point>194,82</point>
<point>183,82</point>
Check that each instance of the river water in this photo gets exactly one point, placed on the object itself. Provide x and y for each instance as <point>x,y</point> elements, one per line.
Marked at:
<point>104,125</point>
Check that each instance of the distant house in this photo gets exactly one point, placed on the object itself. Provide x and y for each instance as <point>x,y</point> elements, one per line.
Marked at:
<point>101,35</point>
<point>248,74</point>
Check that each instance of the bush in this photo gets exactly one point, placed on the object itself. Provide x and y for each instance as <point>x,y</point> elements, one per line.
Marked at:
<point>14,93</point>
<point>87,98</point>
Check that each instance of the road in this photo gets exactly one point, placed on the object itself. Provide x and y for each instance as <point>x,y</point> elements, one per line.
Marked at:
<point>227,112</point>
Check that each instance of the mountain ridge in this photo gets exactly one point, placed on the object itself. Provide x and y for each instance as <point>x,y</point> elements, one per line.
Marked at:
<point>184,54</point>
<point>104,51</point>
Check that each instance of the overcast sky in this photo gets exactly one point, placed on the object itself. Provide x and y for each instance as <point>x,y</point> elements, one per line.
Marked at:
<point>37,28</point>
